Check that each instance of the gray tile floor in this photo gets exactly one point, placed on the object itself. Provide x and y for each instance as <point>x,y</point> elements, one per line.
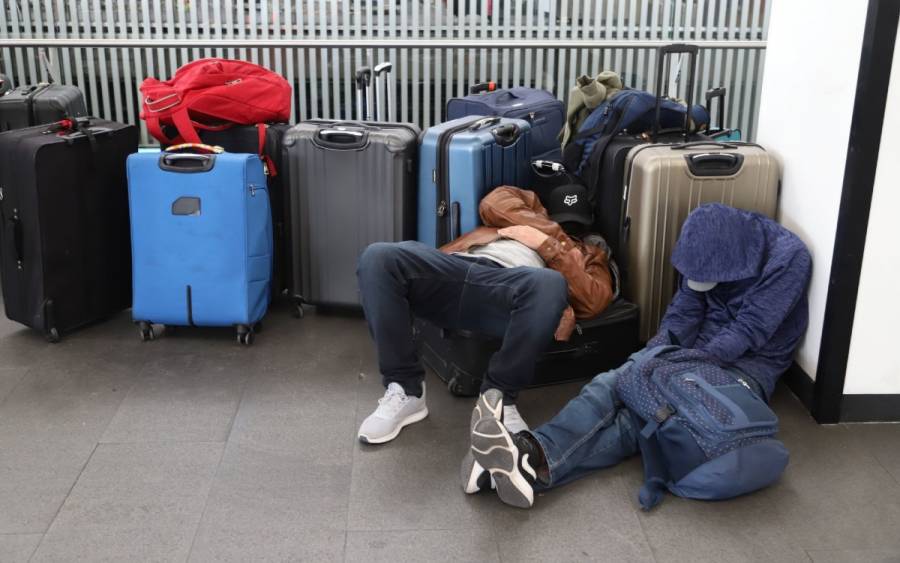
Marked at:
<point>193,448</point>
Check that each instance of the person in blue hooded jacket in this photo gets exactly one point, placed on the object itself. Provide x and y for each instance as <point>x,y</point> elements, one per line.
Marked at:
<point>742,301</point>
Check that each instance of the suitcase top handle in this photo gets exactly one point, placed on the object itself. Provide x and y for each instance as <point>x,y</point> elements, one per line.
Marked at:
<point>482,123</point>
<point>341,138</point>
<point>714,163</point>
<point>382,68</point>
<point>186,163</point>
<point>664,52</point>
<point>363,77</point>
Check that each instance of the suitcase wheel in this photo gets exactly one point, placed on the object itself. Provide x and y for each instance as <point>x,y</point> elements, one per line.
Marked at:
<point>53,336</point>
<point>245,334</point>
<point>146,331</point>
<point>298,307</point>
<point>462,387</point>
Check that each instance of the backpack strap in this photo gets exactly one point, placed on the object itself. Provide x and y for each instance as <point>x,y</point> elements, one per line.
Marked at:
<point>656,476</point>
<point>261,129</point>
<point>186,130</point>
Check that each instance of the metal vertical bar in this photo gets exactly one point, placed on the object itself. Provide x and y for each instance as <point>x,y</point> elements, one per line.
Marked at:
<point>229,24</point>
<point>21,68</point>
<point>28,28</point>
<point>335,62</point>
<point>141,31</point>
<point>101,55</point>
<point>529,34</point>
<point>495,34</point>
<point>169,31</point>
<point>754,77</point>
<point>204,15</point>
<point>621,65</point>
<point>482,33</point>
<point>114,54</point>
<point>415,116</point>
<point>730,75</point>
<point>427,62</point>
<point>127,54</point>
<point>6,52</point>
<point>517,53</point>
<point>436,32</point>
<point>462,15</point>
<point>560,56</point>
<point>574,33</point>
<point>344,28</point>
<point>312,75</point>
<point>290,57</point>
<point>93,96</point>
<point>44,12</point>
<point>302,78</point>
<point>263,26</point>
<point>742,78</point>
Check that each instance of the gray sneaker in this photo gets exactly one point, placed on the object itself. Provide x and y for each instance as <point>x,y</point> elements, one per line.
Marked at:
<point>472,476</point>
<point>395,410</point>
<point>508,459</point>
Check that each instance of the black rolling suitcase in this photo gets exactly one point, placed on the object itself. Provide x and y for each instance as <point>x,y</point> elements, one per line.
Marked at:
<point>246,139</point>
<point>351,184</point>
<point>27,106</point>
<point>461,358</point>
<point>65,251</point>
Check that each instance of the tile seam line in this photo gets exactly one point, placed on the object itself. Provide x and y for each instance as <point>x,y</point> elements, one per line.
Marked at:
<point>61,504</point>
<point>215,475</point>
<point>359,368</point>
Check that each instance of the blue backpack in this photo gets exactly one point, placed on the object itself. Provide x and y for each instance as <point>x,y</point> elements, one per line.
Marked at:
<point>706,432</point>
<point>629,111</point>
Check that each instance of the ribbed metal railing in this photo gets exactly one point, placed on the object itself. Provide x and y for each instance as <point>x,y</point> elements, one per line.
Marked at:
<point>439,48</point>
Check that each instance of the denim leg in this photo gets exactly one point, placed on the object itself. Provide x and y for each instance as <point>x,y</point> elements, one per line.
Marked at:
<point>396,280</point>
<point>522,306</point>
<point>594,430</point>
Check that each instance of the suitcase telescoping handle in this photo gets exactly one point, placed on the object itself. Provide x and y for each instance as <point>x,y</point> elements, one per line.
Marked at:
<point>485,122</point>
<point>483,87</point>
<point>712,95</point>
<point>506,135</point>
<point>173,160</point>
<point>665,52</point>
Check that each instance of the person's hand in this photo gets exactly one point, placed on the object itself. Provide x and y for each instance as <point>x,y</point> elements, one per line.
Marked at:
<point>529,236</point>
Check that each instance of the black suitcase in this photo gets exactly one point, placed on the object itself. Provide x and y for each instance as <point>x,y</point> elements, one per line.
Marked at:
<point>461,358</point>
<point>245,139</point>
<point>27,106</point>
<point>65,251</point>
<point>351,184</point>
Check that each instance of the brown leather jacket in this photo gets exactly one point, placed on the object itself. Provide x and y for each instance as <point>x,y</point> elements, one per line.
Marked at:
<point>585,267</point>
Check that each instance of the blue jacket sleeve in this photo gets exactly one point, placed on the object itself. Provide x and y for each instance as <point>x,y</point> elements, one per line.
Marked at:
<point>683,318</point>
<point>781,286</point>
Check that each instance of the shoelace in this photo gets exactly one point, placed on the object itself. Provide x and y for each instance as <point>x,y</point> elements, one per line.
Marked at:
<point>392,402</point>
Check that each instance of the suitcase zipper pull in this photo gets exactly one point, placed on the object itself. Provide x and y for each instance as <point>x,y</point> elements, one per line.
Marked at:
<point>252,190</point>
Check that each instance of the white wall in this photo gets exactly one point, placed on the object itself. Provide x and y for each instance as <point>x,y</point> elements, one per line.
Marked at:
<point>808,91</point>
<point>874,365</point>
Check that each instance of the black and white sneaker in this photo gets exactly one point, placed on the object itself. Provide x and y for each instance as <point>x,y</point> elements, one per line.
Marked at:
<point>472,476</point>
<point>508,458</point>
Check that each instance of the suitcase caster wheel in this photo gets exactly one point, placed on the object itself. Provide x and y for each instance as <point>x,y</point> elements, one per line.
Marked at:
<point>245,335</point>
<point>146,331</point>
<point>53,336</point>
<point>298,311</point>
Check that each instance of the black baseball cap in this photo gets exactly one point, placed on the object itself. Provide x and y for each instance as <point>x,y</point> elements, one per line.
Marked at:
<point>569,204</point>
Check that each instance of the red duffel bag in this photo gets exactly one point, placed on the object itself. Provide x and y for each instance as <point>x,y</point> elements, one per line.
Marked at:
<point>213,94</point>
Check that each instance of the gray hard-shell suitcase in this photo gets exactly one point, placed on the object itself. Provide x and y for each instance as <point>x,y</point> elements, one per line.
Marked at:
<point>351,184</point>
<point>664,183</point>
<point>27,106</point>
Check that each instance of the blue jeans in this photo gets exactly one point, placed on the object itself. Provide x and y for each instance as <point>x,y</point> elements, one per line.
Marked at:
<point>522,306</point>
<point>594,430</point>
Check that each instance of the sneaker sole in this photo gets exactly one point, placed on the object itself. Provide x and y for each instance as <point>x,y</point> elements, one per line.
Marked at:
<point>473,477</point>
<point>490,403</point>
<point>414,417</point>
<point>494,449</point>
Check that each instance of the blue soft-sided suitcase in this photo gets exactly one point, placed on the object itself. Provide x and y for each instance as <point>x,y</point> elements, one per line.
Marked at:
<point>540,108</point>
<point>460,161</point>
<point>201,234</point>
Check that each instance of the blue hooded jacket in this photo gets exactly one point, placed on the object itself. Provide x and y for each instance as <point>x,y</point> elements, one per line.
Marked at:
<point>754,318</point>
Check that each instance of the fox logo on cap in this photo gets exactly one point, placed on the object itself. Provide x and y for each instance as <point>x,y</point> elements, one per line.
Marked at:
<point>570,200</point>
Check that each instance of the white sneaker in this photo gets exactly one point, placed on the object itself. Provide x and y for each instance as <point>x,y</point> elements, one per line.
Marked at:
<point>395,410</point>
<point>512,420</point>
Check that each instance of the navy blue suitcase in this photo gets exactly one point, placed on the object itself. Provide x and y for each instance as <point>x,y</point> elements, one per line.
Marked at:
<point>201,234</point>
<point>540,108</point>
<point>460,161</point>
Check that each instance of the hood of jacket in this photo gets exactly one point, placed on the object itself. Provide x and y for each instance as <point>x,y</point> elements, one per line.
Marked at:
<point>719,243</point>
